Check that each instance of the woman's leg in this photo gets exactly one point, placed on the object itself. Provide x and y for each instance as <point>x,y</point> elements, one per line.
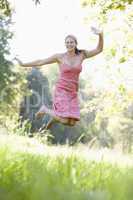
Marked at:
<point>69,122</point>
<point>72,122</point>
<point>44,110</point>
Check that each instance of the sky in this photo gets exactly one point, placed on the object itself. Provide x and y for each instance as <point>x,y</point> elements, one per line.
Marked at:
<point>39,31</point>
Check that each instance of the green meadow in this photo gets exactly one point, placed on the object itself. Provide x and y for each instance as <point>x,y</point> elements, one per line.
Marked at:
<point>30,170</point>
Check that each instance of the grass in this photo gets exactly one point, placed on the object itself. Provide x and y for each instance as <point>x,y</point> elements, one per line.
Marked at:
<point>30,170</point>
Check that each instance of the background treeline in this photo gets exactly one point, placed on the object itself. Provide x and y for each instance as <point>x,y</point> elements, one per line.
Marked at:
<point>106,112</point>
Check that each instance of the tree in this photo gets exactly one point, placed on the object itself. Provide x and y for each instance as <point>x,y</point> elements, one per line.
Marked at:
<point>39,86</point>
<point>6,9</point>
<point>115,97</point>
<point>12,83</point>
<point>6,73</point>
<point>107,5</point>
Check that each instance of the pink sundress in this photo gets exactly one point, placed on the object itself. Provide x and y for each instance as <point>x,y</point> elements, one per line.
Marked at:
<point>65,98</point>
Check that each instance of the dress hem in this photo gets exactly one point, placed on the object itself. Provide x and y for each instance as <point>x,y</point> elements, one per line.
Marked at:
<point>68,116</point>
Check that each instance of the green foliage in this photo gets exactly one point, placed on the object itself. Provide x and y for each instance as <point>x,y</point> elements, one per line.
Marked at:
<point>26,174</point>
<point>107,119</point>
<point>5,7</point>
<point>12,83</point>
<point>5,65</point>
<point>110,125</point>
<point>107,5</point>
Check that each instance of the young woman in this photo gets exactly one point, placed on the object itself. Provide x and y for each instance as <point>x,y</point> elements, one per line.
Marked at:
<point>65,102</point>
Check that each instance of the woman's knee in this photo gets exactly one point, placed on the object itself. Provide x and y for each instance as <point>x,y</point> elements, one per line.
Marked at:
<point>65,121</point>
<point>72,122</point>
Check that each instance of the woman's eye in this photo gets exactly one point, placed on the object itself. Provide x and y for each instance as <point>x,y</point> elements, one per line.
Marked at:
<point>69,42</point>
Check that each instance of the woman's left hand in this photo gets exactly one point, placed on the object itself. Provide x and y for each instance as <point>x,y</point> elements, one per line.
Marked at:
<point>96,31</point>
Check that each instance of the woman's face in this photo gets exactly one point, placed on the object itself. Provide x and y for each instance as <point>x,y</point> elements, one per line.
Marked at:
<point>70,44</point>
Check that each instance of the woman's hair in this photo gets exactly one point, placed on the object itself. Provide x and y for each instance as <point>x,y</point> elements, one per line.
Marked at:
<point>77,51</point>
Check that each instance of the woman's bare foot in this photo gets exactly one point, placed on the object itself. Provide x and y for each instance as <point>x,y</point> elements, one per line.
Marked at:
<point>39,115</point>
<point>48,125</point>
<point>41,112</point>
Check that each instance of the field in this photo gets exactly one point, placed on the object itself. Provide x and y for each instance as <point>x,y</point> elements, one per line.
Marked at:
<point>30,170</point>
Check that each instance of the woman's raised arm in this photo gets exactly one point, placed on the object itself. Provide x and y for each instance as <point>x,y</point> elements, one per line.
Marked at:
<point>99,48</point>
